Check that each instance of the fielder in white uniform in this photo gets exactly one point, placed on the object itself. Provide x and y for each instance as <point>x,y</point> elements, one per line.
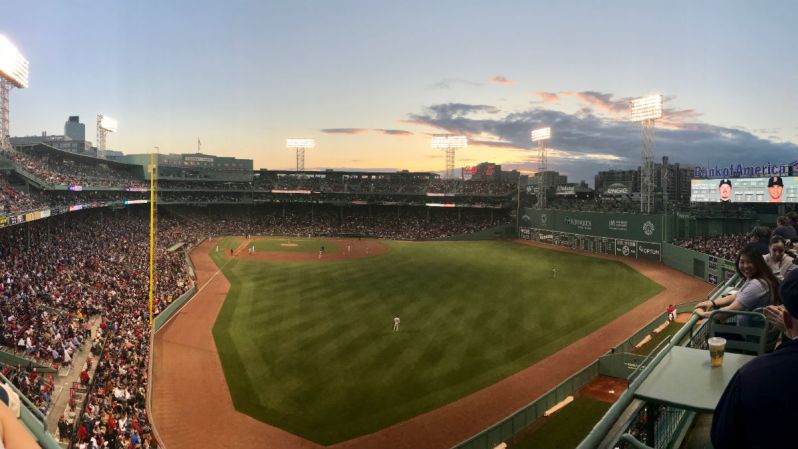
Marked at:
<point>396,322</point>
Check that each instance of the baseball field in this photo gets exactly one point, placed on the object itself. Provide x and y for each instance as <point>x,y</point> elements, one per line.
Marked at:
<point>307,345</point>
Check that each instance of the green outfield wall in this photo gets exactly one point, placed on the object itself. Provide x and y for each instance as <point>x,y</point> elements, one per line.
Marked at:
<point>703,266</point>
<point>637,236</point>
<point>653,228</point>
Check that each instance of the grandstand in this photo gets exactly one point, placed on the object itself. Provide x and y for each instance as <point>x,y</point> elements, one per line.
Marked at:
<point>80,315</point>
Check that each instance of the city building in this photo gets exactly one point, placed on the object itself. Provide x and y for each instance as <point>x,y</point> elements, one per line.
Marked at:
<point>75,130</point>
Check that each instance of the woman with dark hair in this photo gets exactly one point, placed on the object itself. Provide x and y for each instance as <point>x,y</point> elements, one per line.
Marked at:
<point>776,259</point>
<point>760,289</point>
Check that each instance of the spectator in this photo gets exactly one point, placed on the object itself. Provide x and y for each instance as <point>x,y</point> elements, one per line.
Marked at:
<point>757,410</point>
<point>776,259</point>
<point>760,288</point>
<point>784,229</point>
<point>760,237</point>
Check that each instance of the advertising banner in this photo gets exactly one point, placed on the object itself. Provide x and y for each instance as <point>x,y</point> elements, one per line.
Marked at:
<point>649,251</point>
<point>639,227</point>
<point>593,244</point>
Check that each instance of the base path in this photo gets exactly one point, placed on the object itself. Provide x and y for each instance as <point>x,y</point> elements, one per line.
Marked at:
<point>192,407</point>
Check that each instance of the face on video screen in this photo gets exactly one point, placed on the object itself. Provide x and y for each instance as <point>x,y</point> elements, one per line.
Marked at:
<point>775,189</point>
<point>725,190</point>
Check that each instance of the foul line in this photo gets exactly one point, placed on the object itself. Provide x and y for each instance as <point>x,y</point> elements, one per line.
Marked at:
<point>213,276</point>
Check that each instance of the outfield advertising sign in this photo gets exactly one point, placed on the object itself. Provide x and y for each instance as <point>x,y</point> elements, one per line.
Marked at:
<point>594,244</point>
<point>638,227</point>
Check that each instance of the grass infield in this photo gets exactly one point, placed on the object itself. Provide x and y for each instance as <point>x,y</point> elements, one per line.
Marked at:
<point>308,346</point>
<point>298,245</point>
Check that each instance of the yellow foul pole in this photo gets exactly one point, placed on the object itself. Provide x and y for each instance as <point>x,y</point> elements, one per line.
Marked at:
<point>153,173</point>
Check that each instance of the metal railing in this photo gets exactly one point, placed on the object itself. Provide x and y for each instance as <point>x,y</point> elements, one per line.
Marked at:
<point>600,432</point>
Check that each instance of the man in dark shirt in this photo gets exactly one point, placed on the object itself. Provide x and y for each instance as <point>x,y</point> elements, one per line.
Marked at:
<point>760,237</point>
<point>784,229</point>
<point>758,409</point>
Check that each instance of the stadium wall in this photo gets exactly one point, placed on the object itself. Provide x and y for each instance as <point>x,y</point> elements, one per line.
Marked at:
<point>703,266</point>
<point>639,227</point>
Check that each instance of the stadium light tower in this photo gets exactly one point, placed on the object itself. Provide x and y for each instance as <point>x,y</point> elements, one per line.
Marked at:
<point>105,125</point>
<point>451,144</point>
<point>13,73</point>
<point>647,110</point>
<point>300,145</point>
<point>541,136</point>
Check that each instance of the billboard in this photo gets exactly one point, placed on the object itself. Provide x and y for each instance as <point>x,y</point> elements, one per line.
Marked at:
<point>775,189</point>
<point>633,249</point>
<point>639,227</point>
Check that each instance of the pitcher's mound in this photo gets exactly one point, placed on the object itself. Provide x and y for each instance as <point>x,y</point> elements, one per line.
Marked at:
<point>288,244</point>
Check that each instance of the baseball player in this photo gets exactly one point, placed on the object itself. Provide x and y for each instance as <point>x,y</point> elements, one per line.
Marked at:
<point>396,322</point>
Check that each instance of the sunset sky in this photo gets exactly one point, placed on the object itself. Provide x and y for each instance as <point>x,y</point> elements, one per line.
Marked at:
<point>372,80</point>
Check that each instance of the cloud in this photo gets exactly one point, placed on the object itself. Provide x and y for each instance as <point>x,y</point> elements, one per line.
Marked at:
<point>584,143</point>
<point>602,101</point>
<point>498,79</point>
<point>549,97</point>
<point>448,83</point>
<point>394,132</point>
<point>344,130</point>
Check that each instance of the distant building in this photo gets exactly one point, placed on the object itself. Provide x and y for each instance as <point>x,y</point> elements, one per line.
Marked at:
<point>195,166</point>
<point>489,172</point>
<point>75,130</point>
<point>63,143</point>
<point>670,179</point>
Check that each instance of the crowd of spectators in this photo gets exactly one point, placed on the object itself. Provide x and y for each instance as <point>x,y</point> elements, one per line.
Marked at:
<point>56,169</point>
<point>12,201</point>
<point>80,266</point>
<point>378,222</point>
<point>725,246</point>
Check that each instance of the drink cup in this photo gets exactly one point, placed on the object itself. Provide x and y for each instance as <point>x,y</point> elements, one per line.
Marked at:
<point>717,346</point>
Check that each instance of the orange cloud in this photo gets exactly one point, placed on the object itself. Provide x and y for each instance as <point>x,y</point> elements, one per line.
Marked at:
<point>549,97</point>
<point>601,101</point>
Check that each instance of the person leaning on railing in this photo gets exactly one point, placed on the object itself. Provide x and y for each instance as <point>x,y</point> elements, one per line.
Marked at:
<point>757,409</point>
<point>760,288</point>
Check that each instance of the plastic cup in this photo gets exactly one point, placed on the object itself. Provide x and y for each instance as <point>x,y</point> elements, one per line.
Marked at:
<point>717,346</point>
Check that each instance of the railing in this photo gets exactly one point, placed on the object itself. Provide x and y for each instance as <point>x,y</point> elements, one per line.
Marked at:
<point>89,389</point>
<point>598,437</point>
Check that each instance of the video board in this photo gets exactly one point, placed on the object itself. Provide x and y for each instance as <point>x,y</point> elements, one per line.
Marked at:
<point>775,189</point>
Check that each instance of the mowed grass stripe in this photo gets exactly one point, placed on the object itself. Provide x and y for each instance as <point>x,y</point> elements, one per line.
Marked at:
<point>308,347</point>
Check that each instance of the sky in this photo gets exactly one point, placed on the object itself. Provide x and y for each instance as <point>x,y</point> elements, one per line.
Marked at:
<point>371,81</point>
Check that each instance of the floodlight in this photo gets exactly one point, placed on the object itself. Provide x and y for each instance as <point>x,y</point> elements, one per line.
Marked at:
<point>13,66</point>
<point>446,141</point>
<point>450,144</point>
<point>108,124</point>
<point>647,108</point>
<point>300,143</point>
<point>541,134</point>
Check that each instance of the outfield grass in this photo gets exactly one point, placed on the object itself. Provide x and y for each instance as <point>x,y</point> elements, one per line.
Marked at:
<point>303,245</point>
<point>566,428</point>
<point>308,347</point>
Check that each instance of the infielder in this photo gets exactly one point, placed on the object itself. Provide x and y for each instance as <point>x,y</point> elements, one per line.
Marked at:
<point>396,322</point>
